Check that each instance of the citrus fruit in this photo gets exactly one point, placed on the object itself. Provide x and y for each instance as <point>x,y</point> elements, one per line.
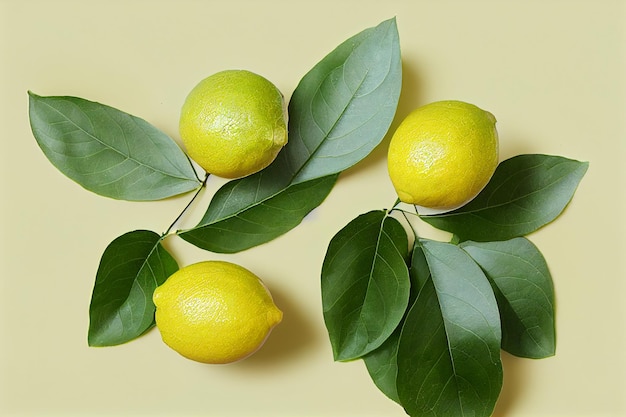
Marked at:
<point>234,123</point>
<point>442,155</point>
<point>215,312</point>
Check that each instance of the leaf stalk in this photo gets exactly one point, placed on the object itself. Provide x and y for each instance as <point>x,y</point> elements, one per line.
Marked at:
<point>182,213</point>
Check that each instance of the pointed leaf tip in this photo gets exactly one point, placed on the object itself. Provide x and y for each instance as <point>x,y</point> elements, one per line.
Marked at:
<point>130,269</point>
<point>107,151</point>
<point>339,112</point>
<point>525,193</point>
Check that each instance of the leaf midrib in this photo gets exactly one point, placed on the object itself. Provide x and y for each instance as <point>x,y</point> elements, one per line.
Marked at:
<point>107,146</point>
<point>477,211</point>
<point>343,111</point>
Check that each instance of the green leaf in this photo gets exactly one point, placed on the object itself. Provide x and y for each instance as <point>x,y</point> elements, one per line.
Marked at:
<point>343,107</point>
<point>382,365</point>
<point>365,284</point>
<point>449,349</point>
<point>339,112</point>
<point>109,152</point>
<point>525,193</point>
<point>523,286</point>
<point>132,266</point>
<point>382,362</point>
<point>419,270</point>
<point>266,221</point>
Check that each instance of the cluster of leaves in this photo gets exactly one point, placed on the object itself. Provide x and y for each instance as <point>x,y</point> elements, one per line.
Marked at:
<point>428,318</point>
<point>339,112</point>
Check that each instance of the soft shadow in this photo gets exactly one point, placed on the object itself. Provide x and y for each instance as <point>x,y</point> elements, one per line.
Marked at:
<point>288,340</point>
<point>410,94</point>
<point>513,384</point>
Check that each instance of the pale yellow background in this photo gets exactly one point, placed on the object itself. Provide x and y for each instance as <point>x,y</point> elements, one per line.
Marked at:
<point>553,73</point>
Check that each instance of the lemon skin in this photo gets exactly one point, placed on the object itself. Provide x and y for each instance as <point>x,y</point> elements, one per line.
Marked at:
<point>442,155</point>
<point>215,312</point>
<point>234,123</point>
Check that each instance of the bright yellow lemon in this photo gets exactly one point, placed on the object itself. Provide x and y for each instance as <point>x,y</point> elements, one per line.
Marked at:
<point>215,312</point>
<point>234,123</point>
<point>442,155</point>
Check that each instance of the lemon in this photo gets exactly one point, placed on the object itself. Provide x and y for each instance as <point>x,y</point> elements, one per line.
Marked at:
<point>234,123</point>
<point>442,155</point>
<point>215,312</point>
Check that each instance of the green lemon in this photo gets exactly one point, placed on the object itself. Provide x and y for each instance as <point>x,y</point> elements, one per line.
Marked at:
<point>215,312</point>
<point>442,155</point>
<point>234,123</point>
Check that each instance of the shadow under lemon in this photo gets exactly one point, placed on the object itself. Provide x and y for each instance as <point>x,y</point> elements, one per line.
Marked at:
<point>289,340</point>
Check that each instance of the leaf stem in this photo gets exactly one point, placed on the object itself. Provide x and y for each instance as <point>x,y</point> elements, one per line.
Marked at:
<point>206,174</point>
<point>202,185</point>
<point>404,214</point>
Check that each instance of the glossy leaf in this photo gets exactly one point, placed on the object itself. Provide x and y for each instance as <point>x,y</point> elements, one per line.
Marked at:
<point>365,284</point>
<point>382,362</point>
<point>339,112</point>
<point>109,152</point>
<point>132,266</point>
<point>382,365</point>
<point>268,219</point>
<point>525,193</point>
<point>449,349</point>
<point>343,107</point>
<point>523,287</point>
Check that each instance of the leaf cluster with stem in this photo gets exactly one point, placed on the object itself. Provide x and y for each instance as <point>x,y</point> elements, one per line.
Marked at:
<point>429,318</point>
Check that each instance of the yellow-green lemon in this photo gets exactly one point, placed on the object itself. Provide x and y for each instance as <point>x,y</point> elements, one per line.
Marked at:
<point>215,312</point>
<point>442,155</point>
<point>234,123</point>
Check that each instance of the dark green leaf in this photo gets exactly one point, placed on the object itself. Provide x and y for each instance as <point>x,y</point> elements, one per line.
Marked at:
<point>523,286</point>
<point>449,350</point>
<point>132,266</point>
<point>525,193</point>
<point>269,219</point>
<point>419,270</point>
<point>382,363</point>
<point>344,106</point>
<point>365,284</point>
<point>338,113</point>
<point>109,152</point>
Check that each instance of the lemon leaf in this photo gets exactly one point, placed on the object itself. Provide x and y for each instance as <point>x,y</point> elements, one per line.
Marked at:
<point>365,284</point>
<point>525,193</point>
<point>107,151</point>
<point>382,362</point>
<point>130,269</point>
<point>268,219</point>
<point>382,365</point>
<point>448,357</point>
<point>343,107</point>
<point>339,112</point>
<point>523,287</point>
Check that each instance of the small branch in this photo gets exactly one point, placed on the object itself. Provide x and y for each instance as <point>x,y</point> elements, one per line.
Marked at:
<point>187,206</point>
<point>404,213</point>
<point>193,166</point>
